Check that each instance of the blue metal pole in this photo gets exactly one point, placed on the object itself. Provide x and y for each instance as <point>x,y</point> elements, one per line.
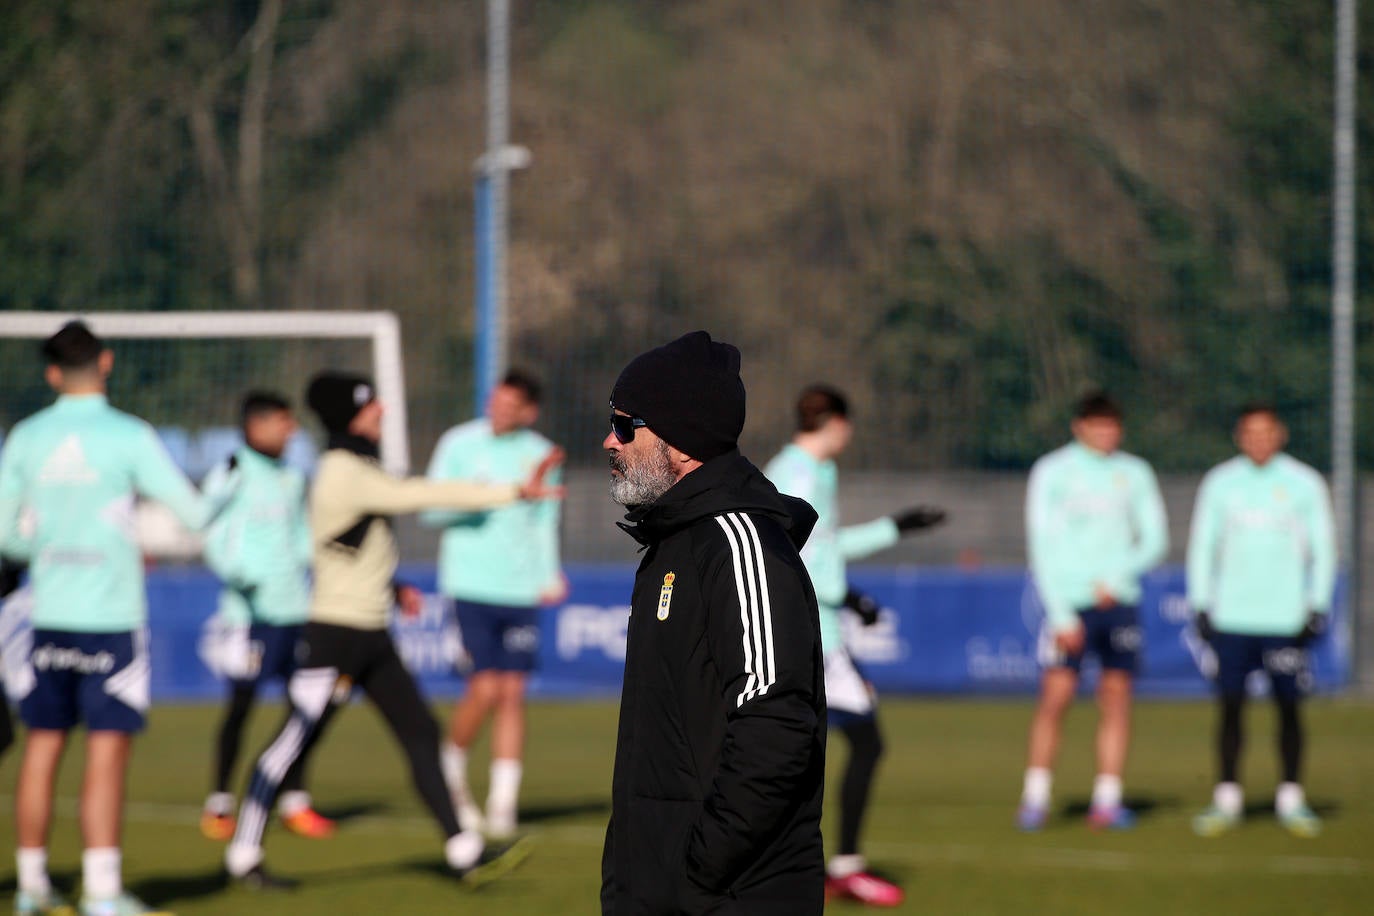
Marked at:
<point>487,328</point>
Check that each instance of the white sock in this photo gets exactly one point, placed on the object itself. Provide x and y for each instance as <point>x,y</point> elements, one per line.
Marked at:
<point>463,850</point>
<point>293,803</point>
<point>220,804</point>
<point>1228,798</point>
<point>32,865</point>
<point>1036,791</point>
<point>1107,791</point>
<point>100,878</point>
<point>1289,798</point>
<point>453,760</point>
<point>504,792</point>
<point>240,859</point>
<point>844,866</point>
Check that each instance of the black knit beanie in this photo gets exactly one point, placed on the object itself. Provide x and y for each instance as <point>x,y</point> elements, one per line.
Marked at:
<point>688,392</point>
<point>336,398</point>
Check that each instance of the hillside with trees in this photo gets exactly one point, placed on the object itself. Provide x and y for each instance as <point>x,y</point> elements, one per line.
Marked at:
<point>964,214</point>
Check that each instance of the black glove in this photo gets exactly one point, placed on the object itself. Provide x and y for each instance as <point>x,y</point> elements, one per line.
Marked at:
<point>1203,622</point>
<point>864,606</point>
<point>918,517</point>
<point>1313,629</point>
<point>10,573</point>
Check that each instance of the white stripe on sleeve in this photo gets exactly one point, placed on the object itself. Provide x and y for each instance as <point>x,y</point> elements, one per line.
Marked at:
<point>756,612</point>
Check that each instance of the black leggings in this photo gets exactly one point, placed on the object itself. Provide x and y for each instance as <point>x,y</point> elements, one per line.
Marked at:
<point>236,715</point>
<point>865,749</point>
<point>1231,737</point>
<point>339,658</point>
<point>6,725</point>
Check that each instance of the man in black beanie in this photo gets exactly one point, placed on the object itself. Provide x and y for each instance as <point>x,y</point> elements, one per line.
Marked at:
<point>345,643</point>
<point>720,756</point>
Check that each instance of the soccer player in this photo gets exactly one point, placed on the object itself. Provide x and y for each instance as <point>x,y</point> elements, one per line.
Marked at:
<point>1261,572</point>
<point>259,546</point>
<point>75,469</point>
<point>1095,525</point>
<point>345,642</point>
<point>806,468</point>
<point>499,566</point>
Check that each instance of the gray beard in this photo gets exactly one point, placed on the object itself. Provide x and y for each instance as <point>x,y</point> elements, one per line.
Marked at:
<point>643,483</point>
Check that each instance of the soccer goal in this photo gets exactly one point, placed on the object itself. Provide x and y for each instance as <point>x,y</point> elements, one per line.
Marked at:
<point>186,372</point>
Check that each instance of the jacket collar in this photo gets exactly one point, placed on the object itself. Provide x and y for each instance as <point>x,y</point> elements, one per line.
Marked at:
<point>355,444</point>
<point>728,483</point>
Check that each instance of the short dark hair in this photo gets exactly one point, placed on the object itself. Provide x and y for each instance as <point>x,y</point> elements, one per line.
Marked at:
<point>817,404</point>
<point>1250,408</point>
<point>258,403</point>
<point>74,346</point>
<point>1097,405</point>
<point>525,383</point>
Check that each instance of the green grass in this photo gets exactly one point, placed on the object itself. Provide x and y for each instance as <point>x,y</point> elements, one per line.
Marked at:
<point>942,821</point>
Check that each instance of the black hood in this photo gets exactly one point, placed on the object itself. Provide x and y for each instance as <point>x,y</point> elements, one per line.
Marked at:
<point>728,483</point>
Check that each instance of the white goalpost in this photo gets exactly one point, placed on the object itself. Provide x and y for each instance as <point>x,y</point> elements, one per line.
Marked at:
<point>379,329</point>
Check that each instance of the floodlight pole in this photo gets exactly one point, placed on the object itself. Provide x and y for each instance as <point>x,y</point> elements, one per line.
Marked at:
<point>490,209</point>
<point>1343,457</point>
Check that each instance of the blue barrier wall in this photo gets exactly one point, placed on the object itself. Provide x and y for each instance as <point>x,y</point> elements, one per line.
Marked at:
<point>942,631</point>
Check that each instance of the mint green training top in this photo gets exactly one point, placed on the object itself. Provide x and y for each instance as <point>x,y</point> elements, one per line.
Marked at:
<point>1092,519</point>
<point>797,472</point>
<point>506,556</point>
<point>69,476</point>
<point>259,544</point>
<point>1262,552</point>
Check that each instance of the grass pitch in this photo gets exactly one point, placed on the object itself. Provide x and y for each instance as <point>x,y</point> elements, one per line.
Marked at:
<point>942,822</point>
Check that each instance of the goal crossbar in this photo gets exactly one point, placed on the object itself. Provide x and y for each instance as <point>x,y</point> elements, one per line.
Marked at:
<point>381,328</point>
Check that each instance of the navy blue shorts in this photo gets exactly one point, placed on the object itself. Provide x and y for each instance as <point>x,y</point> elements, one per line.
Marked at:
<point>100,679</point>
<point>272,652</point>
<point>1113,635</point>
<point>498,637</point>
<point>1236,655</point>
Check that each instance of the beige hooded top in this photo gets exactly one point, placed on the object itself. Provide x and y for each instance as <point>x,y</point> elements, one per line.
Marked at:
<point>355,553</point>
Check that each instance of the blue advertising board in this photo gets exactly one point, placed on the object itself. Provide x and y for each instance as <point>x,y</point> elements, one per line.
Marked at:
<point>941,631</point>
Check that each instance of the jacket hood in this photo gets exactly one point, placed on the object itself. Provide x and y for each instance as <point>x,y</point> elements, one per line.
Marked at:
<point>728,483</point>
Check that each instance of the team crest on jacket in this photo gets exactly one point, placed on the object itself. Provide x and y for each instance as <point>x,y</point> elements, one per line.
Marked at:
<point>665,596</point>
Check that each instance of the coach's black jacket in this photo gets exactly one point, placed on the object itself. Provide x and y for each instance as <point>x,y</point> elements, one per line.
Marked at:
<point>716,799</point>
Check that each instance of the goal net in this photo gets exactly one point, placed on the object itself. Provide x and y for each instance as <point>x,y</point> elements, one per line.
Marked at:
<point>186,373</point>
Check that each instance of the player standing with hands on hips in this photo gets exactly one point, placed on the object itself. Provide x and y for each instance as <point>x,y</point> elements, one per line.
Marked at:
<point>806,469</point>
<point>1095,524</point>
<point>1261,573</point>
<point>720,753</point>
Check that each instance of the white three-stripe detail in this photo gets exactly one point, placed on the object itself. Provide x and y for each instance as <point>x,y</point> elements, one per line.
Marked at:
<point>756,609</point>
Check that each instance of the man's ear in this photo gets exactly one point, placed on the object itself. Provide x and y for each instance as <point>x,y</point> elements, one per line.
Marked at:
<point>106,363</point>
<point>53,376</point>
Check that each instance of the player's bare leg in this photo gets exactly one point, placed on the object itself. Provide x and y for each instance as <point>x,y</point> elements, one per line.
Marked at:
<point>102,814</point>
<point>1114,723</point>
<point>102,789</point>
<point>33,815</point>
<point>37,773</point>
<point>1057,687</point>
<point>469,715</point>
<point>1113,741</point>
<point>508,746</point>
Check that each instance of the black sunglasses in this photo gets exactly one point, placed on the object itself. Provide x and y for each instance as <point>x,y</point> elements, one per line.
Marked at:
<point>624,427</point>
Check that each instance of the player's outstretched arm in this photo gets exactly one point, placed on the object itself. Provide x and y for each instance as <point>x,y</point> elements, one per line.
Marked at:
<point>373,491</point>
